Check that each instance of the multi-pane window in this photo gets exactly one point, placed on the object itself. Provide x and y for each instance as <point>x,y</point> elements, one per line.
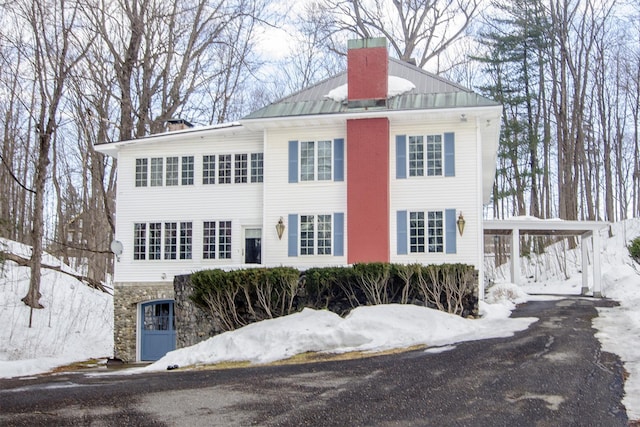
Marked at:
<point>257,167</point>
<point>220,240</point>
<point>187,170</point>
<point>416,156</point>
<point>425,158</point>
<point>224,240</point>
<point>434,155</point>
<point>315,234</point>
<point>141,172</point>
<point>240,168</point>
<point>426,235</point>
<point>306,234</point>
<point>324,160</point>
<point>139,240</point>
<point>156,172</point>
<point>186,237</point>
<point>224,169</point>
<point>436,231</point>
<point>416,232</point>
<point>155,240</point>
<point>307,161</point>
<point>324,234</point>
<point>170,240</point>
<point>315,160</point>
<point>172,171</point>
<point>209,240</point>
<point>209,169</point>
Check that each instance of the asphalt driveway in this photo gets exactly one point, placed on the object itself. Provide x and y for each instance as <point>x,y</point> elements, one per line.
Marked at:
<point>552,374</point>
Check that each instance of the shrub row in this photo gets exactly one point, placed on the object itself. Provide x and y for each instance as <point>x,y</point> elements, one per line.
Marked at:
<point>240,297</point>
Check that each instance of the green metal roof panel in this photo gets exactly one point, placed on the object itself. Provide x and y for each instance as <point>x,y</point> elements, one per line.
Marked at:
<point>411,101</point>
<point>431,92</point>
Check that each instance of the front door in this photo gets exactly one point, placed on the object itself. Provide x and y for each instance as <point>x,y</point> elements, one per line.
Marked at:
<point>252,245</point>
<point>158,332</point>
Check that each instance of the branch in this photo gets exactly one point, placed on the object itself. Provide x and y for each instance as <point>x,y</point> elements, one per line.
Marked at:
<point>24,262</point>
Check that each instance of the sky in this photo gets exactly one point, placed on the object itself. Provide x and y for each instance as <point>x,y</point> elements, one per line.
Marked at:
<point>61,335</point>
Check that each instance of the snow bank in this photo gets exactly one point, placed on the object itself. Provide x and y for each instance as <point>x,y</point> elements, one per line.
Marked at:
<point>76,323</point>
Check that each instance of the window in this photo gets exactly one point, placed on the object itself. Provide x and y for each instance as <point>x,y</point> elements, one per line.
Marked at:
<point>434,155</point>
<point>430,155</point>
<point>324,160</point>
<point>224,169</point>
<point>187,170</point>
<point>224,242</point>
<point>307,153</point>
<point>141,172</point>
<point>209,169</point>
<point>240,168</point>
<point>139,240</point>
<point>155,240</point>
<point>156,172</point>
<point>170,240</point>
<point>436,231</point>
<point>209,240</point>
<point>315,234</point>
<point>308,164</point>
<point>172,171</point>
<point>257,167</point>
<point>416,232</point>
<point>433,229</point>
<point>324,234</point>
<point>306,234</point>
<point>186,236</point>
<point>416,156</point>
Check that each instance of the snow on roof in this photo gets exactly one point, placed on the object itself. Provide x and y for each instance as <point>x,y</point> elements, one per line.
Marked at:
<point>396,86</point>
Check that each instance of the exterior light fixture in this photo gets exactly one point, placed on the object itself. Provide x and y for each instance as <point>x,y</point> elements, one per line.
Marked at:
<point>280,228</point>
<point>461,222</point>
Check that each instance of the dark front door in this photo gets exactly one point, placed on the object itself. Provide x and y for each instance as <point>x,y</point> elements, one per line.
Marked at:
<point>252,246</point>
<point>158,332</point>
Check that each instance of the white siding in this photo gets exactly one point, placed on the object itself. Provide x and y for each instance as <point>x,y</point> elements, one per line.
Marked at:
<point>283,198</point>
<point>461,192</point>
<point>239,203</point>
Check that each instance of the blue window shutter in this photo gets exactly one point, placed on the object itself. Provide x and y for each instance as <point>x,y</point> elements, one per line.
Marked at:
<point>338,234</point>
<point>449,154</point>
<point>450,230</point>
<point>293,161</point>
<point>401,156</point>
<point>338,159</point>
<point>292,235</point>
<point>402,232</point>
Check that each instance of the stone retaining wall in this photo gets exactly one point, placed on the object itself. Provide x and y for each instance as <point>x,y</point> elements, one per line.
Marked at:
<point>192,323</point>
<point>126,297</point>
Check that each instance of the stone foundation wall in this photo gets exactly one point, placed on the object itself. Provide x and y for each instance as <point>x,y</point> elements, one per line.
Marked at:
<point>192,323</point>
<point>126,297</point>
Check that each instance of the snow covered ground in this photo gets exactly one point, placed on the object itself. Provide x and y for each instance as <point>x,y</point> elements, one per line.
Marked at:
<point>372,329</point>
<point>75,325</point>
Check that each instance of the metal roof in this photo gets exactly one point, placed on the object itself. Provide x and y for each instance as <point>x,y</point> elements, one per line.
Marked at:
<point>431,92</point>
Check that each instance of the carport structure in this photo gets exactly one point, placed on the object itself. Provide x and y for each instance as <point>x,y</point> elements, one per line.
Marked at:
<point>588,231</point>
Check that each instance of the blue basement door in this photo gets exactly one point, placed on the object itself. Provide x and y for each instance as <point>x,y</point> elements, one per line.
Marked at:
<point>158,332</point>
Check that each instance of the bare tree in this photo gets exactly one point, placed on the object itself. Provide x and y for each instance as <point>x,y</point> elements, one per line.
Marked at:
<point>52,55</point>
<point>418,30</point>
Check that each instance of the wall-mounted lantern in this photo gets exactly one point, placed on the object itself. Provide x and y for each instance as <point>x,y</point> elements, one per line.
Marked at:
<point>280,228</point>
<point>461,222</point>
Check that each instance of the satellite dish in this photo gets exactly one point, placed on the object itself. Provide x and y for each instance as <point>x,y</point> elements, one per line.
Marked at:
<point>116,247</point>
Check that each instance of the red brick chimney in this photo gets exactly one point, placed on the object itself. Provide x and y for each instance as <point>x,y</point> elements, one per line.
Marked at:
<point>367,72</point>
<point>368,154</point>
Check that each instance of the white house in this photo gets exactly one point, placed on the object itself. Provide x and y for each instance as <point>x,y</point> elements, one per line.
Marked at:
<point>378,163</point>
